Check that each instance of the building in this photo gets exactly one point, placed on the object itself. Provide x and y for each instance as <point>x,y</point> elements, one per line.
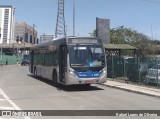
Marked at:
<point>103,29</point>
<point>7,20</point>
<point>45,37</point>
<point>25,33</point>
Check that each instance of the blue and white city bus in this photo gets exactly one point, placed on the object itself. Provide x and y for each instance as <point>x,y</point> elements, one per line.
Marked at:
<point>70,60</point>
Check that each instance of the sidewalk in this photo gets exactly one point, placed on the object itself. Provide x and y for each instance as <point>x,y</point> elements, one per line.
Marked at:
<point>133,88</point>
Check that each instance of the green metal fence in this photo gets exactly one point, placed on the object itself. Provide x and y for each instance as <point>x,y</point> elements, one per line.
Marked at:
<point>134,70</point>
<point>12,59</point>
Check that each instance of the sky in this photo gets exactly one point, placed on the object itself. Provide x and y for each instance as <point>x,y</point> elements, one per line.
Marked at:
<point>140,15</point>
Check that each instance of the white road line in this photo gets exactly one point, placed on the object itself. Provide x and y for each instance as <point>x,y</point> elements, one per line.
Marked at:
<point>11,102</point>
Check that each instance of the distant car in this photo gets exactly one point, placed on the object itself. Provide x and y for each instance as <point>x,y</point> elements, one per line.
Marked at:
<point>137,72</point>
<point>153,74</point>
<point>25,62</point>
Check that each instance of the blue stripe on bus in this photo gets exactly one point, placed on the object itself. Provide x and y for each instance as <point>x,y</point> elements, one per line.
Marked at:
<point>88,74</point>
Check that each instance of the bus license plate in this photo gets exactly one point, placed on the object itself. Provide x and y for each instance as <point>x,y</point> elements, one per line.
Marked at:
<point>89,82</point>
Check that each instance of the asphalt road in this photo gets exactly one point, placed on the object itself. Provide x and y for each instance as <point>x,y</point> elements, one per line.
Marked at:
<point>29,93</point>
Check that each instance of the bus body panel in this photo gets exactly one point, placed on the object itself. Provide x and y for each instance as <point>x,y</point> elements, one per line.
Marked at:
<point>46,71</point>
<point>67,74</point>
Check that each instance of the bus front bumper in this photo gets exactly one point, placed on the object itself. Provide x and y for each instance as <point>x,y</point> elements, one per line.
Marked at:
<point>71,80</point>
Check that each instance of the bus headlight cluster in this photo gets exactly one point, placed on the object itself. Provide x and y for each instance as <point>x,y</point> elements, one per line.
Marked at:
<point>72,73</point>
<point>104,72</point>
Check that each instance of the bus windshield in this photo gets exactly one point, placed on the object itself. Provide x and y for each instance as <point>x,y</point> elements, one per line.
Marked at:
<point>86,56</point>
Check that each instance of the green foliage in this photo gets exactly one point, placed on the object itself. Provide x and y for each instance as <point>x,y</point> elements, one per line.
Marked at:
<point>157,42</point>
<point>123,35</point>
<point>93,33</point>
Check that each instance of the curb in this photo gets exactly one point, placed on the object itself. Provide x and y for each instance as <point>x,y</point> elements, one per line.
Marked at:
<point>129,90</point>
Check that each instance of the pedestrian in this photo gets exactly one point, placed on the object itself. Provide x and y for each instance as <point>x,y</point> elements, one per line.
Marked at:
<point>17,61</point>
<point>6,61</point>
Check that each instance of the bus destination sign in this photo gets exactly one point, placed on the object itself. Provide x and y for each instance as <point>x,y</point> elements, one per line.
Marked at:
<point>84,41</point>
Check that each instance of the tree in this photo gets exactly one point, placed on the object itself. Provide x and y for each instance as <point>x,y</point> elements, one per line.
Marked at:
<point>93,33</point>
<point>123,35</point>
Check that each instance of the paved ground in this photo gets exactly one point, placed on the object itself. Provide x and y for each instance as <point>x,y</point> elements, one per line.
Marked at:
<point>27,93</point>
<point>134,88</point>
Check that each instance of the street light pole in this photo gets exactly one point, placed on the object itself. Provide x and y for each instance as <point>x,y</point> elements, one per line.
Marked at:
<point>73,17</point>
<point>33,39</point>
<point>18,49</point>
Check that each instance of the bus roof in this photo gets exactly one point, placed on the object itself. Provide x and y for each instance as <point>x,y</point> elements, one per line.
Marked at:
<point>59,41</point>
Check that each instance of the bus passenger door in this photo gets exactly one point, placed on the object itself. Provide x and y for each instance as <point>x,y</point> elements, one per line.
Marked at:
<point>62,63</point>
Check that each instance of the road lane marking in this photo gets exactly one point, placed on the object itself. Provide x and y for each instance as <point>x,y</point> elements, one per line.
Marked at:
<point>12,103</point>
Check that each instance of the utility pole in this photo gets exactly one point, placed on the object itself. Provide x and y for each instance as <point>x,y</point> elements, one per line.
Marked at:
<point>33,40</point>
<point>73,17</point>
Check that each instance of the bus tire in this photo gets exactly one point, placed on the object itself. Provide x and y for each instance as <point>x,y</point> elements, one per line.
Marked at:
<point>86,85</point>
<point>54,78</point>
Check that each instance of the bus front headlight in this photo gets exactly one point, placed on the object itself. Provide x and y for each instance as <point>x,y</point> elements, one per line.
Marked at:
<point>104,72</point>
<point>72,73</point>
